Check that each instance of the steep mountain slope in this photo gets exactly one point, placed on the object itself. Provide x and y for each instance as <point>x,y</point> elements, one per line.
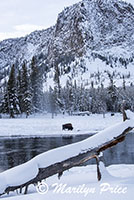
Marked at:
<point>92,40</point>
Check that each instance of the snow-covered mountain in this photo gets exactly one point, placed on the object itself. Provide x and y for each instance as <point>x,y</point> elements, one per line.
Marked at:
<point>92,40</point>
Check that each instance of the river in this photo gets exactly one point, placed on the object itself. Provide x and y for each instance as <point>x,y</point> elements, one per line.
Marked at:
<point>17,150</point>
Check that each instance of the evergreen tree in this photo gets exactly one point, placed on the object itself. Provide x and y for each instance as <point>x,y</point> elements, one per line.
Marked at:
<point>26,93</point>
<point>57,87</point>
<point>19,89</point>
<point>11,102</point>
<point>37,86</point>
<point>69,96</point>
<point>112,96</point>
<point>52,101</point>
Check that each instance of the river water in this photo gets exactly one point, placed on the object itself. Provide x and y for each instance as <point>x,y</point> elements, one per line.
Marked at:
<point>17,150</point>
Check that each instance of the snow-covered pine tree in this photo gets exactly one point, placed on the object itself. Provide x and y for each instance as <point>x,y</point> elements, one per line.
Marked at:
<point>57,87</point>
<point>82,99</point>
<point>26,92</point>
<point>52,102</point>
<point>127,96</point>
<point>11,103</point>
<point>112,96</point>
<point>69,96</point>
<point>19,89</point>
<point>37,86</point>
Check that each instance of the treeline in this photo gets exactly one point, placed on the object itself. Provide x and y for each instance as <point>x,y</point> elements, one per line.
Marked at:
<point>23,91</point>
<point>23,94</point>
<point>73,98</point>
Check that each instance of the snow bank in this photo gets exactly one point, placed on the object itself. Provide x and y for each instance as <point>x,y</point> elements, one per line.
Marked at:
<point>45,125</point>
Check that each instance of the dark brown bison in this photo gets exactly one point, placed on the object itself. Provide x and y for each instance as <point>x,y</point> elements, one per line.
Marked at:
<point>67,127</point>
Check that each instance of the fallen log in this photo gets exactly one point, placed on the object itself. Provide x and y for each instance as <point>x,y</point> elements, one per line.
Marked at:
<point>61,159</point>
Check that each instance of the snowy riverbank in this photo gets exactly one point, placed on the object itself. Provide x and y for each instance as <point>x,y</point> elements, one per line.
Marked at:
<point>45,125</point>
<point>81,183</point>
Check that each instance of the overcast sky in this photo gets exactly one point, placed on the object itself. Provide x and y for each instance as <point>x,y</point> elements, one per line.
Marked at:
<point>20,17</point>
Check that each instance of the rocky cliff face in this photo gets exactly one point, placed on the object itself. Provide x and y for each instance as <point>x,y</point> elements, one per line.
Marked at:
<point>90,37</point>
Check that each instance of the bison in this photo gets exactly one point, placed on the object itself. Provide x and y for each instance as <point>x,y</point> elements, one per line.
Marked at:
<point>67,127</point>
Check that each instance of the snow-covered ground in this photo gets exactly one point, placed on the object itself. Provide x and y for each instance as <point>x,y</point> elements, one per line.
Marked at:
<point>81,183</point>
<point>45,125</point>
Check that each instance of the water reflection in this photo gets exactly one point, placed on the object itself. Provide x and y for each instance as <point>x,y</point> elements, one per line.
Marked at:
<point>15,151</point>
<point>122,153</point>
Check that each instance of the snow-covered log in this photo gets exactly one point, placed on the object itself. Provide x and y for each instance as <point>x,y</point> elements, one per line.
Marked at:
<point>58,160</point>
